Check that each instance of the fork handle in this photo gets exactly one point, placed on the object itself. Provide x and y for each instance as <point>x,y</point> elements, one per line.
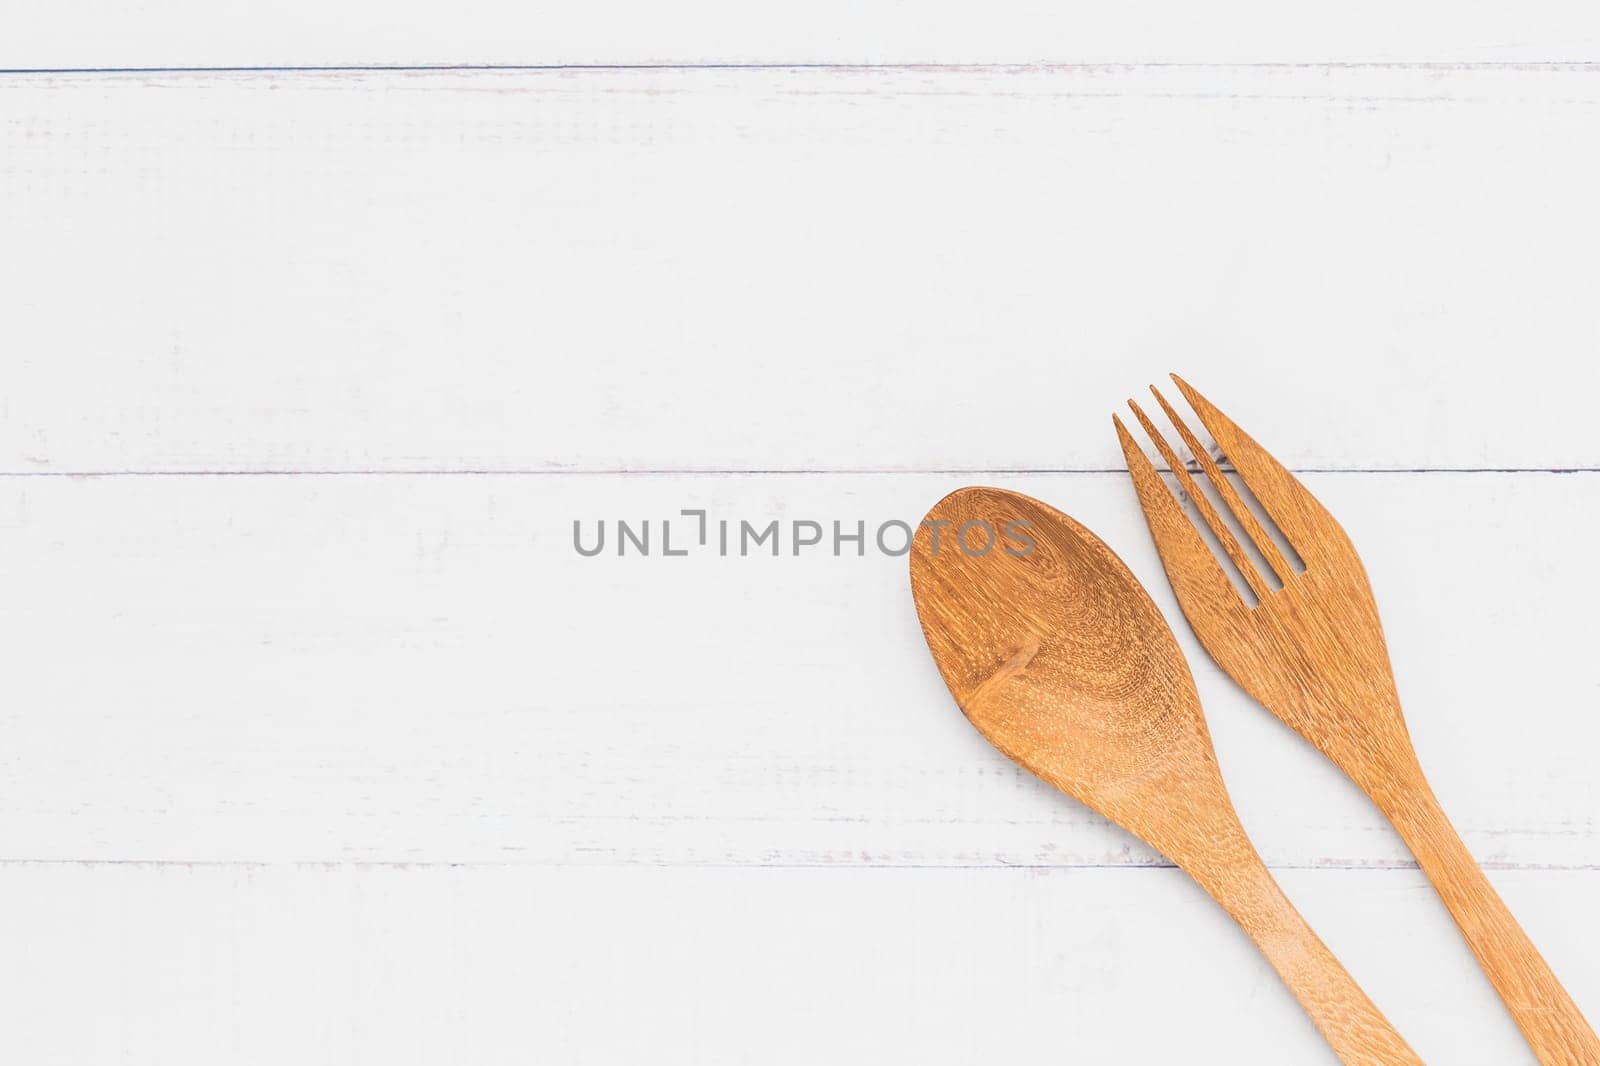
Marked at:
<point>1356,1029</point>
<point>1549,1020</point>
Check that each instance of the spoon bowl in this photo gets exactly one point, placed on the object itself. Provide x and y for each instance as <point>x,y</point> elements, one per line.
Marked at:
<point>1056,655</point>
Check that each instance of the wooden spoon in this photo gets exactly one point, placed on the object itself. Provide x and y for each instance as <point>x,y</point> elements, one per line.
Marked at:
<point>1059,657</point>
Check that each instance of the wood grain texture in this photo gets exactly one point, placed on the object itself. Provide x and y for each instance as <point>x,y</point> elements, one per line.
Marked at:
<point>132,964</point>
<point>367,668</point>
<point>1312,651</point>
<point>1062,661</point>
<point>704,269</point>
<point>165,33</point>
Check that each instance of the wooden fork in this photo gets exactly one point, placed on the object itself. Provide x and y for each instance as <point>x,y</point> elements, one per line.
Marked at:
<point>1312,652</point>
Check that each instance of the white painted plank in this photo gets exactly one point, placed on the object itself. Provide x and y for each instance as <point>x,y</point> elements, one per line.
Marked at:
<point>795,269</point>
<point>421,668</point>
<point>136,964</point>
<point>99,33</point>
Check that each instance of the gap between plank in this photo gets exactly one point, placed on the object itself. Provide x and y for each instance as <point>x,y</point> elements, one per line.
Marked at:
<point>752,472</point>
<point>313,864</point>
<point>445,68</point>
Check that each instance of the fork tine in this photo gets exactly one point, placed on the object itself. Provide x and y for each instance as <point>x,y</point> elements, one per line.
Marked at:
<point>1193,570</point>
<point>1230,496</point>
<point>1202,503</point>
<point>1290,504</point>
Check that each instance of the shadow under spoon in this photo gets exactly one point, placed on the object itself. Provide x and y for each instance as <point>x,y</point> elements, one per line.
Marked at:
<point>1059,657</point>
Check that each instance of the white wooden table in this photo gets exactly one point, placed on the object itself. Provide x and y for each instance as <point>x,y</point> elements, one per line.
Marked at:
<point>320,743</point>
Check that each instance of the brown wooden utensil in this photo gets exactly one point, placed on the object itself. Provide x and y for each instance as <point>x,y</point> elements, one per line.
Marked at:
<point>1059,657</point>
<point>1311,650</point>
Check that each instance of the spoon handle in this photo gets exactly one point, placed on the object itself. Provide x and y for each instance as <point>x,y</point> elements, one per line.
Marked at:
<point>1549,1020</point>
<point>1347,1019</point>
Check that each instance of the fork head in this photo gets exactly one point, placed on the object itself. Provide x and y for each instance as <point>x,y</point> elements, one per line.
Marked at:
<point>1306,642</point>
